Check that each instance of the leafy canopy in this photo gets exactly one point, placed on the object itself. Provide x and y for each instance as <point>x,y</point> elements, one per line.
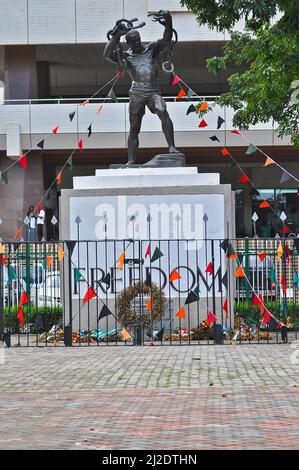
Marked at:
<point>267,49</point>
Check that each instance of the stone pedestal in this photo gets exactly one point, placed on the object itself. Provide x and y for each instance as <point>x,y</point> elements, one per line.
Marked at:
<point>174,208</point>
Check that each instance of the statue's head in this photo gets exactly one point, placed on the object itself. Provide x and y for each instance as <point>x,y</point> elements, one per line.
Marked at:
<point>133,39</point>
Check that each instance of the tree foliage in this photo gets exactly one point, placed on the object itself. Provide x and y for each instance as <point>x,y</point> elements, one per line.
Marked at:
<point>267,49</point>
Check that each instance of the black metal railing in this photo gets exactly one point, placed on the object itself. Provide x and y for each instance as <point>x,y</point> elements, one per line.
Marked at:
<point>168,292</point>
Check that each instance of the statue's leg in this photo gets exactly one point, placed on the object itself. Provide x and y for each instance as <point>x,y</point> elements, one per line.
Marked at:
<point>133,141</point>
<point>136,109</point>
<point>157,106</point>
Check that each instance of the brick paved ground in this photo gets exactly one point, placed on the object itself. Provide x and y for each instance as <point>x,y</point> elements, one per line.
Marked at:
<point>190,397</point>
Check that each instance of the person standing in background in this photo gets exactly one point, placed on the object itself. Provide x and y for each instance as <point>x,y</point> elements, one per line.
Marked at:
<point>31,227</point>
<point>40,224</point>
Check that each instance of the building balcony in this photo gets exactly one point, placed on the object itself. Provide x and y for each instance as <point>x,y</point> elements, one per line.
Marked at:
<point>24,123</point>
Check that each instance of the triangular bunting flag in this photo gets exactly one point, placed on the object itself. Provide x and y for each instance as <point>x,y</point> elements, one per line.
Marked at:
<point>80,145</point>
<point>149,305</point>
<point>174,276</point>
<point>160,334</point>
<point>23,161</point>
<point>285,177</point>
<point>112,95</point>
<point>283,284</point>
<point>239,272</point>
<point>209,268</point>
<point>121,261</point>
<point>107,280</point>
<point>203,106</point>
<point>100,109</point>
<point>4,177</point>
<point>251,149</point>
<point>148,251</point>
<point>244,179</point>
<point>230,253</point>
<point>156,255</point>
<point>83,103</point>
<point>264,205</point>
<point>214,138</point>
<point>49,261</point>
<point>70,163</point>
<point>296,279</point>
<point>192,297</point>
<point>78,275</point>
<point>41,144</point>
<point>272,275</point>
<point>20,316</point>
<point>279,251</point>
<point>235,131</point>
<point>225,308</point>
<point>24,299</point>
<point>55,130</point>
<point>70,246</point>
<point>224,152</point>
<point>89,130</point>
<point>269,161</point>
<point>224,244</point>
<point>196,290</point>
<point>175,80</point>
<point>11,276</point>
<point>191,94</point>
<point>202,123</point>
<point>60,253</point>
<point>72,115</point>
<point>105,312</point>
<point>261,255</point>
<point>16,245</point>
<point>211,318</point>
<point>18,234</point>
<point>220,122</point>
<point>180,313</point>
<point>181,94</point>
<point>58,178</point>
<point>90,294</point>
<point>1,248</point>
<point>191,109</point>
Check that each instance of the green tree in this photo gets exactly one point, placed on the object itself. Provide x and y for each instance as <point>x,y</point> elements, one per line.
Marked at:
<point>268,51</point>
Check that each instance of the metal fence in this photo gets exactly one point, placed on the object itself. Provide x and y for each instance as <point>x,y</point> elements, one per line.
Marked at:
<point>149,292</point>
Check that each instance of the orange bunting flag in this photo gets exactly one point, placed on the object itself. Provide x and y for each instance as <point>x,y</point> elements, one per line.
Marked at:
<point>90,294</point>
<point>176,79</point>
<point>1,249</point>
<point>125,334</point>
<point>203,106</point>
<point>18,234</point>
<point>181,94</point>
<point>269,161</point>
<point>224,152</point>
<point>55,130</point>
<point>24,299</point>
<point>149,305</point>
<point>23,161</point>
<point>262,255</point>
<point>239,272</point>
<point>211,318</point>
<point>20,316</point>
<point>58,177</point>
<point>264,205</point>
<point>174,276</point>
<point>180,313</point>
<point>80,145</point>
<point>279,251</point>
<point>84,103</point>
<point>202,123</point>
<point>49,261</point>
<point>60,253</point>
<point>100,109</point>
<point>121,261</point>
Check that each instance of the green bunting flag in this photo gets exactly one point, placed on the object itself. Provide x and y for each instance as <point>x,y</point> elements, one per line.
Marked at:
<point>70,163</point>
<point>272,275</point>
<point>112,95</point>
<point>283,307</point>
<point>191,109</point>
<point>251,149</point>
<point>78,275</point>
<point>230,253</point>
<point>11,276</point>
<point>191,94</point>
<point>3,177</point>
<point>296,279</point>
<point>156,255</point>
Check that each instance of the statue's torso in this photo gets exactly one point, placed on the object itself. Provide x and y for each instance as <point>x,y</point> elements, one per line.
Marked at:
<point>143,66</point>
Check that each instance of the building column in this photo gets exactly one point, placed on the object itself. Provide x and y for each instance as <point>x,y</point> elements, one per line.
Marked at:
<point>20,73</point>
<point>43,79</point>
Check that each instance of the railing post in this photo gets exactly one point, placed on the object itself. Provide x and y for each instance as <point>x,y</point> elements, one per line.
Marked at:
<point>247,267</point>
<point>68,329</point>
<point>1,302</point>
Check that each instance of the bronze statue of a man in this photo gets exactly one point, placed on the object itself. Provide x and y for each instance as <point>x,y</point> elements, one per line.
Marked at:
<point>142,63</point>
